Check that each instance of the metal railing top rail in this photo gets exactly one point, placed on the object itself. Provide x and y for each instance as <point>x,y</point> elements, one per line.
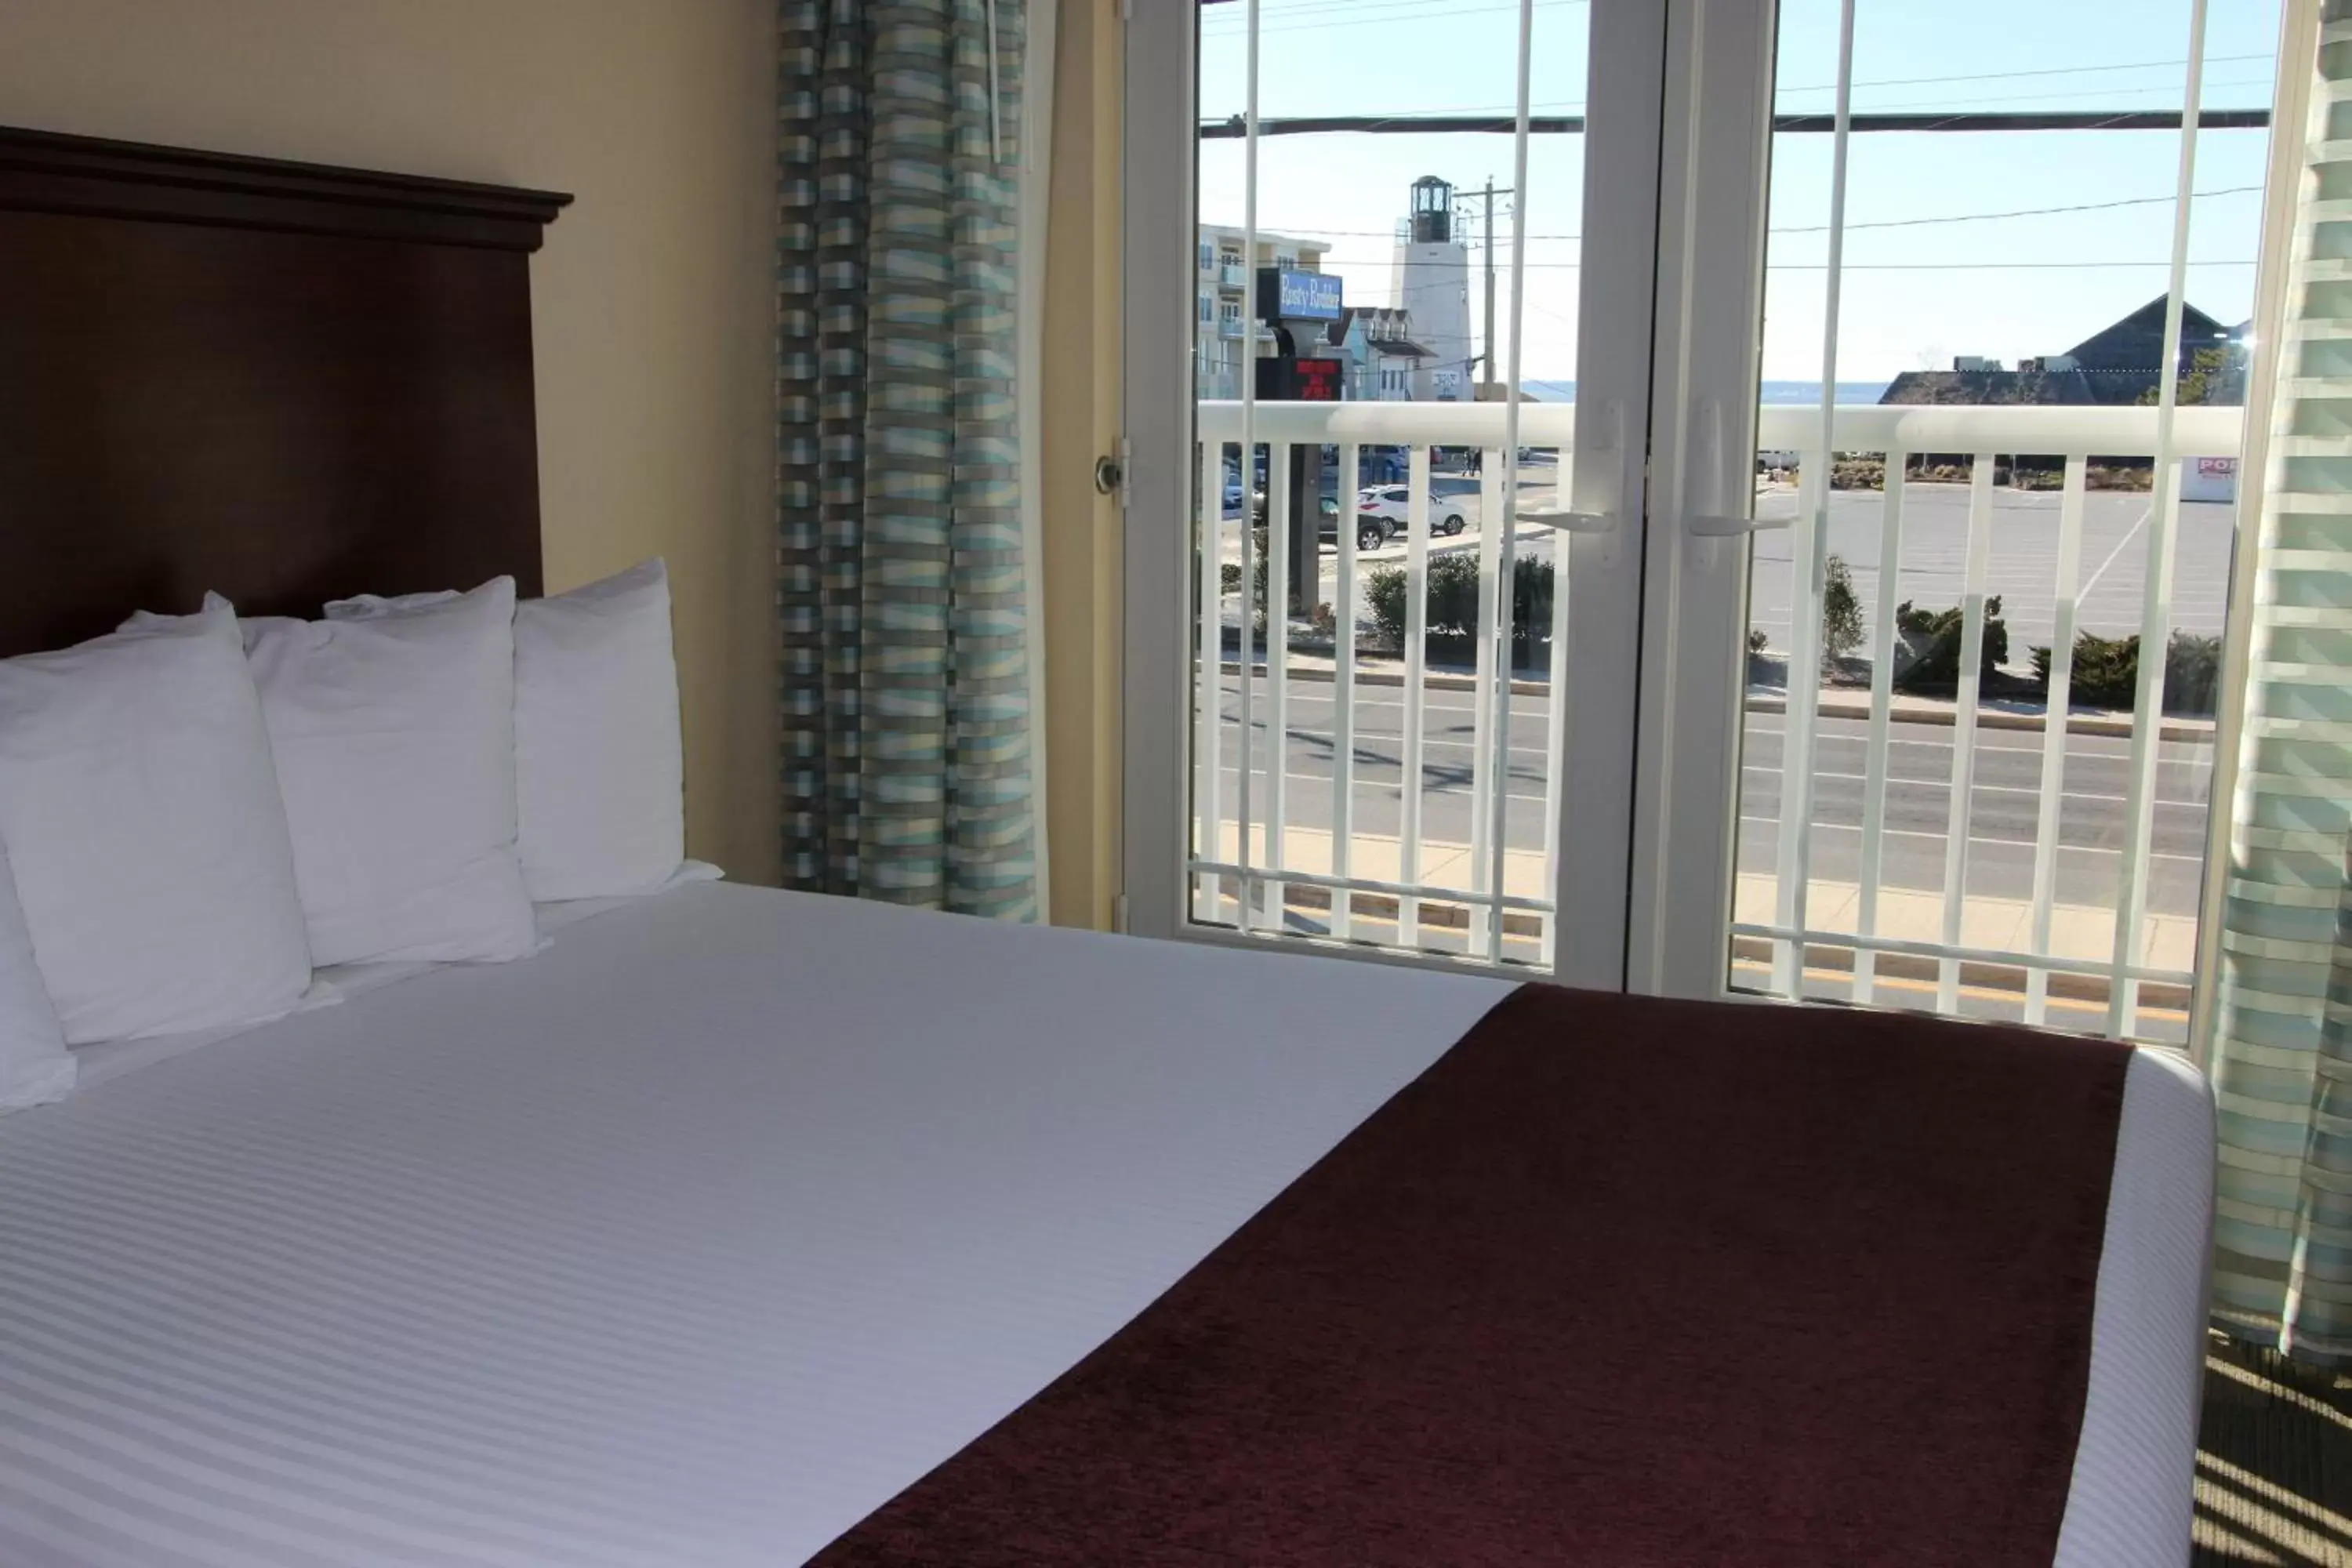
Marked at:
<point>2038,429</point>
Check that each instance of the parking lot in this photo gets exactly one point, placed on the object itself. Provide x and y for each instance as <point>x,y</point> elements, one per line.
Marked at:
<point>2023,567</point>
<point>2022,570</point>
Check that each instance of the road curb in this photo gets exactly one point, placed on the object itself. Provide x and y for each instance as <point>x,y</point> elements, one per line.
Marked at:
<point>2109,726</point>
<point>2191,730</point>
<point>1436,680</point>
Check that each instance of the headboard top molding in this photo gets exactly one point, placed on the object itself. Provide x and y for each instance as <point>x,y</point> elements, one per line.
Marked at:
<point>43,171</point>
<point>289,382</point>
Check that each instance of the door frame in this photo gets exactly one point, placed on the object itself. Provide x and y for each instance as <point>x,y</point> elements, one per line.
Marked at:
<point>1156,239</point>
<point>1616,304</point>
<point>1714,193</point>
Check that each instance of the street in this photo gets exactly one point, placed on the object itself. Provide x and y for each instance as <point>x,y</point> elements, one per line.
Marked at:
<point>2002,817</point>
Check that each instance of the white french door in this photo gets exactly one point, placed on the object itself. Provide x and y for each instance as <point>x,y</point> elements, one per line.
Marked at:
<point>1750,649</point>
<point>1413,743</point>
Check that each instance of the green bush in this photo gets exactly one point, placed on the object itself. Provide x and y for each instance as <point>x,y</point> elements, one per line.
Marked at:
<point>2106,672</point>
<point>1229,580</point>
<point>1841,630</point>
<point>2192,674</point>
<point>1451,605</point>
<point>1927,647</point>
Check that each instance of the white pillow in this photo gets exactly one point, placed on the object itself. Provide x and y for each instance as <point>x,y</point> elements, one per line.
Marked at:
<point>600,784</point>
<point>599,775</point>
<point>35,1066</point>
<point>394,729</point>
<point>144,828</point>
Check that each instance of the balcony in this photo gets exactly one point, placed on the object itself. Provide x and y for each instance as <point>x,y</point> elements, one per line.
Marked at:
<point>1232,275</point>
<point>1859,805</point>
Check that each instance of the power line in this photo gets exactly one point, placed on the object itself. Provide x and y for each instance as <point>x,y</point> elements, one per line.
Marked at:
<point>1867,122</point>
<point>1415,11</point>
<point>1893,221</point>
<point>2021,212</point>
<point>1915,81</point>
<point>1934,105</point>
<point>2043,70</point>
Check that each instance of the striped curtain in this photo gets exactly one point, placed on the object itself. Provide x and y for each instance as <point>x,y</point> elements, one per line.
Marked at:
<point>902,583</point>
<point>2282,1047</point>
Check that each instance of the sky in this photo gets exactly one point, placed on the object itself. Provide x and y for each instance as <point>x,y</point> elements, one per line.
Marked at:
<point>1915,293</point>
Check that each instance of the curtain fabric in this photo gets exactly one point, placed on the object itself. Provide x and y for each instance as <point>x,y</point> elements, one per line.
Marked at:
<point>907,768</point>
<point>2282,1047</point>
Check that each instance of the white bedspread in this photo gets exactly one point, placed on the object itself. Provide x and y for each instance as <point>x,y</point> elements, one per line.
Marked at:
<point>694,1239</point>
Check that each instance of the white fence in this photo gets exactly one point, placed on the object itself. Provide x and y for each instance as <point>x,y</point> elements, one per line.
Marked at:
<point>1248,878</point>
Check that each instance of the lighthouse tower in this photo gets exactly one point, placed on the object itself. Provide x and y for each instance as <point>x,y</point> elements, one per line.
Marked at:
<point>1432,282</point>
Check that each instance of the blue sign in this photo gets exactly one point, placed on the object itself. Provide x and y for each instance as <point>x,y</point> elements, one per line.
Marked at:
<point>1287,293</point>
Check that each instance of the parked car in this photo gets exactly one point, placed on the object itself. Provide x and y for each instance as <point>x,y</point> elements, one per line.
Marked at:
<point>1388,501</point>
<point>1372,530</point>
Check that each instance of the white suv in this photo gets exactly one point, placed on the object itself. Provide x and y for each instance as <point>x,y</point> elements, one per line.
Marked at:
<point>1388,502</point>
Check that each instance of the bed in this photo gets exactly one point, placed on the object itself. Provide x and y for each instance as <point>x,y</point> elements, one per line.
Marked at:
<point>700,1235</point>
<point>736,1224</point>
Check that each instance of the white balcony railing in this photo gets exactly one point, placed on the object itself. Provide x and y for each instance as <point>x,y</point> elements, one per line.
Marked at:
<point>1256,866</point>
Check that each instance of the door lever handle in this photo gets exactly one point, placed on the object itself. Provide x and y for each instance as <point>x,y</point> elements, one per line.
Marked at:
<point>1729,527</point>
<point>1571,521</point>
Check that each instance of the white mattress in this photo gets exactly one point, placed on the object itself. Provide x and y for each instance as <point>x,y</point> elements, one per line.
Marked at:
<point>698,1235</point>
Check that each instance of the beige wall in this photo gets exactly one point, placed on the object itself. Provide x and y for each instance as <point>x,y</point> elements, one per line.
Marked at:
<point>1081,397</point>
<point>652,303</point>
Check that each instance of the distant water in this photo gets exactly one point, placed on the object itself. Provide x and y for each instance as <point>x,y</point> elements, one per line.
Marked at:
<point>1800,393</point>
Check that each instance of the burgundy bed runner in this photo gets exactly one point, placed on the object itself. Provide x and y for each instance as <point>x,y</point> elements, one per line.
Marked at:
<point>1617,1281</point>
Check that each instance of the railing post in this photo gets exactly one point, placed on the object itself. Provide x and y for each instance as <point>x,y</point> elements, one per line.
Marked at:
<point>1964,726</point>
<point>1343,696</point>
<point>1417,675</point>
<point>1881,705</point>
<point>1492,593</point>
<point>2059,697</point>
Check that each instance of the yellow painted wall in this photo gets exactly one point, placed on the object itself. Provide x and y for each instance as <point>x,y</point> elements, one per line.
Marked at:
<point>652,303</point>
<point>1081,397</point>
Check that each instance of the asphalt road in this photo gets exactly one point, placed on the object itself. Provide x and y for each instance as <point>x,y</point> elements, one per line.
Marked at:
<point>2002,816</point>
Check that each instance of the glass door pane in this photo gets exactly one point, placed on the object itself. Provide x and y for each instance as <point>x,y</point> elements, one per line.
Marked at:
<point>1398,574</point>
<point>2006,278</point>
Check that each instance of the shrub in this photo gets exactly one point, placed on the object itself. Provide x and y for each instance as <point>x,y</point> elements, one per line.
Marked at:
<point>1229,579</point>
<point>1927,647</point>
<point>1384,591</point>
<point>1759,639</point>
<point>1841,615</point>
<point>2192,674</point>
<point>2106,672</point>
<point>1451,605</point>
<point>1849,473</point>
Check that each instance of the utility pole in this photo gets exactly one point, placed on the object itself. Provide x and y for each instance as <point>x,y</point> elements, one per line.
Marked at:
<point>1487,355</point>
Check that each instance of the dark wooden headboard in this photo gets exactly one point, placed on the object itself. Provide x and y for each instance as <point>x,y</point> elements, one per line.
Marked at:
<point>284,382</point>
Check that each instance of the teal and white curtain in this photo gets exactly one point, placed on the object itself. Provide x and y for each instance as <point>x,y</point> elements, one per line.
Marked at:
<point>2281,1044</point>
<point>903,560</point>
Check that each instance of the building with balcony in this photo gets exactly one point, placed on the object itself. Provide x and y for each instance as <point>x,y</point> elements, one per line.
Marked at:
<point>1221,299</point>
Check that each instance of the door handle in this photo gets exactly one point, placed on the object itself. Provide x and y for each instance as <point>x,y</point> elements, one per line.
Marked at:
<point>1729,527</point>
<point>1571,521</point>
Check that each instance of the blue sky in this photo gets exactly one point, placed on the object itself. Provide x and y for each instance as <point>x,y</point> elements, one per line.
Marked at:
<point>1915,295</point>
